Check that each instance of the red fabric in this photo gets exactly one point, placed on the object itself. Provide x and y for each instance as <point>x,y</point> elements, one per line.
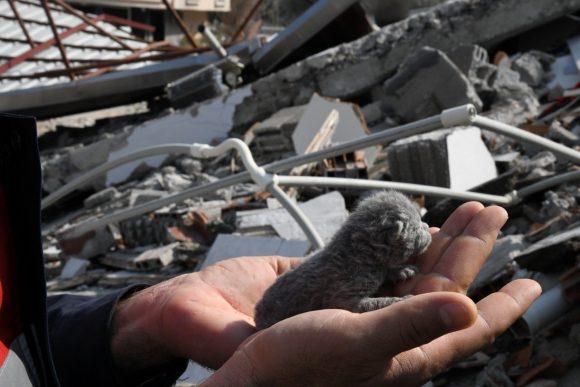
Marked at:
<point>9,308</point>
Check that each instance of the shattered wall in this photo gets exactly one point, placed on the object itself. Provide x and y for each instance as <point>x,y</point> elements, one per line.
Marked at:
<point>351,69</point>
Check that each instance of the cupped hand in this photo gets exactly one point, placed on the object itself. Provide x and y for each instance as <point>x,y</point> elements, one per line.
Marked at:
<point>205,316</point>
<point>404,344</point>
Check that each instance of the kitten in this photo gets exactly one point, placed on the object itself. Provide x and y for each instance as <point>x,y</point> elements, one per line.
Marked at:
<point>371,249</point>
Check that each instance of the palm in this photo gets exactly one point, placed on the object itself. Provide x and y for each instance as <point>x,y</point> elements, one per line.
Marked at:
<point>215,307</point>
<point>398,344</point>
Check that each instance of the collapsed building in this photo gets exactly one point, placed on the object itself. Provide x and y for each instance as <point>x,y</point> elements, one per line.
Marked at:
<point>122,208</point>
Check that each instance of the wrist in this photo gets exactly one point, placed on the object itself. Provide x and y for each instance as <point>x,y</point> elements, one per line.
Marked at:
<point>136,343</point>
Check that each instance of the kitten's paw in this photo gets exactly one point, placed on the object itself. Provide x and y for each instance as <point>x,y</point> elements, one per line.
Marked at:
<point>422,240</point>
<point>402,273</point>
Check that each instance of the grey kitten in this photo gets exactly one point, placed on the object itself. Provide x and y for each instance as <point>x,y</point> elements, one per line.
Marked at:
<point>371,249</point>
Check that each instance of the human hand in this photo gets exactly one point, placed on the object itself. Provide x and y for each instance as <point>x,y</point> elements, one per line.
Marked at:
<point>406,343</point>
<point>205,316</point>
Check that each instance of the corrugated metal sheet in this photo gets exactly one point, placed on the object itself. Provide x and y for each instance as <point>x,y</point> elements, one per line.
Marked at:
<point>86,46</point>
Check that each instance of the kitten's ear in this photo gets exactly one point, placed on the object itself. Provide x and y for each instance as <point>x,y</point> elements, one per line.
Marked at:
<point>398,227</point>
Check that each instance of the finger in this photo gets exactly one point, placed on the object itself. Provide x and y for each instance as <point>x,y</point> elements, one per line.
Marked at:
<point>497,312</point>
<point>283,264</point>
<point>467,252</point>
<point>452,227</point>
<point>413,322</point>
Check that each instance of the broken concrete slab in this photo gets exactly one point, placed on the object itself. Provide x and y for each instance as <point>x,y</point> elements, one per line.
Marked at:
<point>101,197</point>
<point>473,61</point>
<point>196,87</point>
<point>508,89</point>
<point>156,258</point>
<point>350,125</point>
<point>445,158</point>
<point>87,245</point>
<point>202,123</point>
<point>352,69</point>
<point>120,260</point>
<point>426,83</point>
<point>231,246</point>
<point>552,252</point>
<point>504,251</point>
<point>326,212</point>
<point>302,29</point>
<point>74,267</point>
<point>141,196</point>
<point>73,161</point>
<point>274,135</point>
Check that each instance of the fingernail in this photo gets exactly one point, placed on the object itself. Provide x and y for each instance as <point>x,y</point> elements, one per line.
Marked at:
<point>455,316</point>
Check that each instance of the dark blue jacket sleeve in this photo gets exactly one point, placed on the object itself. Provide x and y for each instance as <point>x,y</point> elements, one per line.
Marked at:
<point>80,336</point>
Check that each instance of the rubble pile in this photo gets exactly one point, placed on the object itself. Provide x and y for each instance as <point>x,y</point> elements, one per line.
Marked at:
<point>453,54</point>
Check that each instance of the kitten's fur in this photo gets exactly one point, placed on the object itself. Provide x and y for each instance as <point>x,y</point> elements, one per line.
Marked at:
<point>370,250</point>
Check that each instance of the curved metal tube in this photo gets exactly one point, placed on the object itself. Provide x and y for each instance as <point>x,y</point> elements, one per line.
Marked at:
<point>548,183</point>
<point>462,115</point>
<point>336,182</point>
<point>298,216</point>
<point>93,173</point>
<point>522,135</point>
<point>417,127</point>
<point>263,179</point>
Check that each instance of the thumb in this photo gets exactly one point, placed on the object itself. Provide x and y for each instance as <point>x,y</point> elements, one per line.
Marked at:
<point>417,321</point>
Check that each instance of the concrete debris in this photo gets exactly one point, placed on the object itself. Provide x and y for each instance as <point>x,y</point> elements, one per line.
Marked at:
<point>350,125</point>
<point>445,158</point>
<point>473,61</point>
<point>312,21</point>
<point>273,136</point>
<point>540,165</point>
<point>426,83</point>
<point>326,212</point>
<point>561,247</point>
<point>494,374</point>
<point>345,79</point>
<point>530,69</point>
<point>336,72</point>
<point>196,87</point>
<point>74,267</point>
<point>502,255</point>
<point>558,133</point>
<point>564,72</point>
<point>101,197</point>
<point>231,246</point>
<point>141,196</point>
<point>555,205</point>
<point>509,88</point>
<point>350,165</point>
<point>87,245</point>
<point>156,258</point>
